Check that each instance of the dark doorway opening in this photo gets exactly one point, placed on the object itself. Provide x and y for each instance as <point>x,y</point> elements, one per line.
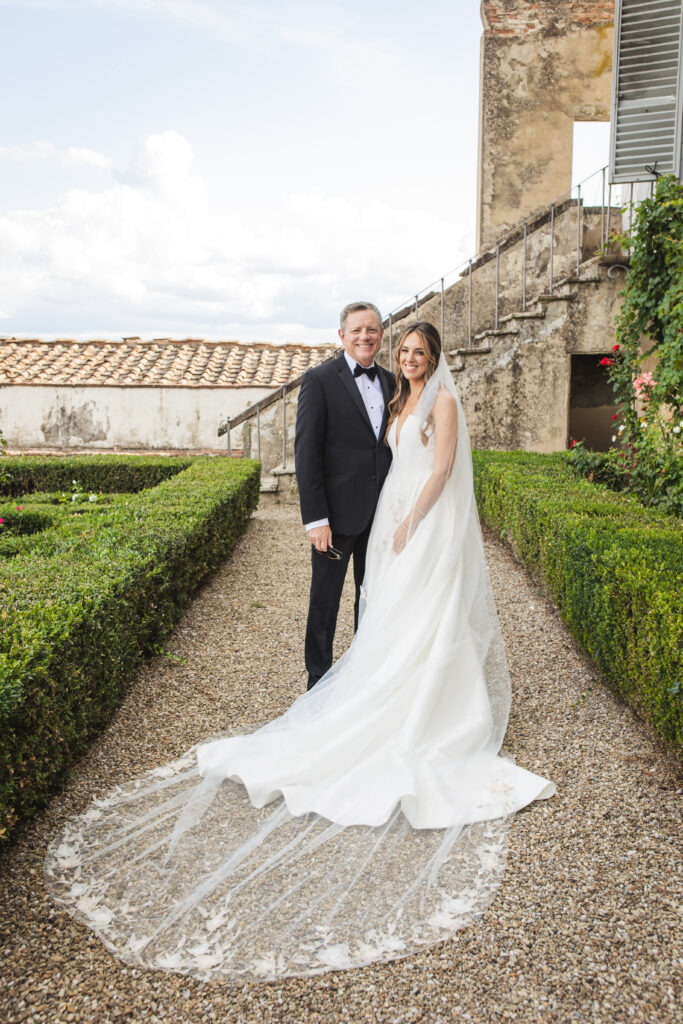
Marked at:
<point>591,402</point>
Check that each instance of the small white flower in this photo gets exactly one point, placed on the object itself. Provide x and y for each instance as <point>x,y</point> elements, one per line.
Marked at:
<point>622,427</point>
<point>643,423</point>
<point>92,498</point>
<point>614,437</point>
<point>74,497</point>
<point>75,483</point>
<point>677,430</point>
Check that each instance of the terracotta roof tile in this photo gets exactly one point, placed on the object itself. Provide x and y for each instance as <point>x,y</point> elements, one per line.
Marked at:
<point>192,363</point>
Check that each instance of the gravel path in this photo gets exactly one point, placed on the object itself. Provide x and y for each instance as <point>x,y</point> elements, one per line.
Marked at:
<point>583,928</point>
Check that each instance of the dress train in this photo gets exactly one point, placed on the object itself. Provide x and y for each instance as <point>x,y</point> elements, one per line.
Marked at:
<point>367,822</point>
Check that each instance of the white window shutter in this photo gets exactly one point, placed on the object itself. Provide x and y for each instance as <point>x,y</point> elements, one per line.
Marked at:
<point>647,89</point>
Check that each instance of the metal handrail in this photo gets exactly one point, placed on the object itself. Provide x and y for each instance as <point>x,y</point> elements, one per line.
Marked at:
<point>520,231</point>
<point>230,422</point>
<point>533,222</point>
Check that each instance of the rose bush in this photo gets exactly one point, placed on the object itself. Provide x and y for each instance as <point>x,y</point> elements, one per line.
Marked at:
<point>649,458</point>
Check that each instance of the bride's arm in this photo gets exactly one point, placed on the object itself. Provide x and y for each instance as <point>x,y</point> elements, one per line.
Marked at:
<point>445,416</point>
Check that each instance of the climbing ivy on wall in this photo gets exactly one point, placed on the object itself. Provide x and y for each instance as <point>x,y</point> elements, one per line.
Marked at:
<point>653,298</point>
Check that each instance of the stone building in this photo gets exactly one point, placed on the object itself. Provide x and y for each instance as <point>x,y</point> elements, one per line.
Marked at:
<point>132,395</point>
<point>532,377</point>
<point>544,65</point>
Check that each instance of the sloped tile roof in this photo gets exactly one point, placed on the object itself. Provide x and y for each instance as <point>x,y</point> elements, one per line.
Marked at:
<point>192,363</point>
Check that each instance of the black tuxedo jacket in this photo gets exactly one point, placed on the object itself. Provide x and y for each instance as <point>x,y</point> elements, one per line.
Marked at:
<point>340,464</point>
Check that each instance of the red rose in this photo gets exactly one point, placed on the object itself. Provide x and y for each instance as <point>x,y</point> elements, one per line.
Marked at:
<point>572,444</point>
<point>605,362</point>
<point>615,348</point>
<point>616,416</point>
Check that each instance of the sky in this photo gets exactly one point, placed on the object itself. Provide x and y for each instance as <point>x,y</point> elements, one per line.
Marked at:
<point>210,169</point>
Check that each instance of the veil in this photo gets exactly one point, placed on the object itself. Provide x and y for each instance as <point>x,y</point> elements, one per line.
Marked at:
<point>203,867</point>
<point>466,529</point>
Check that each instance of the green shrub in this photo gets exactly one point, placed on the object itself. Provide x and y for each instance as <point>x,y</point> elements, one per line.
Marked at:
<point>83,601</point>
<point>613,567</point>
<point>647,454</point>
<point>20,522</point>
<point>129,473</point>
<point>649,467</point>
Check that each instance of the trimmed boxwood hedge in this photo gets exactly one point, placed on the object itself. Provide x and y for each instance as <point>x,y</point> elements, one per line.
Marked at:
<point>129,473</point>
<point>82,601</point>
<point>613,567</point>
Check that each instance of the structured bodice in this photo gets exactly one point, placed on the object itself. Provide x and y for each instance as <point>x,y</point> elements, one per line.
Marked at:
<point>411,449</point>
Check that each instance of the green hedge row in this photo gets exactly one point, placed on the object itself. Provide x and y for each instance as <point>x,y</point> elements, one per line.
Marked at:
<point>613,567</point>
<point>82,601</point>
<point>128,473</point>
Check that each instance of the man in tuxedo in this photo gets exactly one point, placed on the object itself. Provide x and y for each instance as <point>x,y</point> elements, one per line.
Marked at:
<point>341,463</point>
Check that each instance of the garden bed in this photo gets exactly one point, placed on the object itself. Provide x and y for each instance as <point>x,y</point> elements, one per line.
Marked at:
<point>87,588</point>
<point>613,567</point>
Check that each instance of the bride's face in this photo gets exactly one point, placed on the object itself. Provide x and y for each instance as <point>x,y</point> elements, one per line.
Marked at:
<point>412,358</point>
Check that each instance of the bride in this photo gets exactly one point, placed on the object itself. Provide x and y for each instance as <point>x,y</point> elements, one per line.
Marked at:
<point>370,820</point>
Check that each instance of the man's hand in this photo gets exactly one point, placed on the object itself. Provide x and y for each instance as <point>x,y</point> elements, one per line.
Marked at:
<point>321,537</point>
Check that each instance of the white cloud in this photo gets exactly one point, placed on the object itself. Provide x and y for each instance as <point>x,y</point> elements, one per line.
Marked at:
<point>254,26</point>
<point>163,162</point>
<point>21,152</point>
<point>72,156</point>
<point>233,22</point>
<point>153,250</point>
<point>75,156</point>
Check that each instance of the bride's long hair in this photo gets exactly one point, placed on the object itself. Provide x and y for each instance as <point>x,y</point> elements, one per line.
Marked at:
<point>432,346</point>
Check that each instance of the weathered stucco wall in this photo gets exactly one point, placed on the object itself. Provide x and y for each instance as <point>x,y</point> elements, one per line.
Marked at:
<point>544,65</point>
<point>123,417</point>
<point>518,394</point>
<point>272,423</point>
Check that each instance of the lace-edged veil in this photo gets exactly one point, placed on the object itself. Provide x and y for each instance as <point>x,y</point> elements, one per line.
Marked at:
<point>182,873</point>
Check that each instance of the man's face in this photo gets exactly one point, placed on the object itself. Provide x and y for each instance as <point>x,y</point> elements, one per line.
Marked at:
<point>362,336</point>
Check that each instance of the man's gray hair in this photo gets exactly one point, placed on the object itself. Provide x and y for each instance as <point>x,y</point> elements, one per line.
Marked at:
<point>357,307</point>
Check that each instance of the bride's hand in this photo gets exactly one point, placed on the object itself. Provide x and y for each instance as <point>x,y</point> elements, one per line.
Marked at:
<point>401,537</point>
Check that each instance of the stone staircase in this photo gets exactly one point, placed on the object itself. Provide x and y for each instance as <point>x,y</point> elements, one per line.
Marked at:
<point>522,367</point>
<point>278,486</point>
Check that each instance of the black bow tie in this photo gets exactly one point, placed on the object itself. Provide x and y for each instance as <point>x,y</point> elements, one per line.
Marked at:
<point>370,370</point>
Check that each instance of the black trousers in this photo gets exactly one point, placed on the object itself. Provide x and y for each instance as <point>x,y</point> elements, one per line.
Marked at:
<point>327,583</point>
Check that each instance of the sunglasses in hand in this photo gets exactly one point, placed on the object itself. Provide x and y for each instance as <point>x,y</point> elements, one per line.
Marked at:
<point>332,553</point>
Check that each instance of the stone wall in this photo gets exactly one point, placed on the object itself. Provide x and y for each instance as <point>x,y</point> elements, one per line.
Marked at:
<point>120,417</point>
<point>272,425</point>
<point>544,65</point>
<point>518,394</point>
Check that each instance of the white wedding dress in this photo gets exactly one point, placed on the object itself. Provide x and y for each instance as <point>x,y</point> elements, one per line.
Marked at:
<point>367,822</point>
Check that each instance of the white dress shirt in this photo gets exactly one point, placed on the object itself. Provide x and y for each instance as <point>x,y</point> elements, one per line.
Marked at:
<point>373,400</point>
